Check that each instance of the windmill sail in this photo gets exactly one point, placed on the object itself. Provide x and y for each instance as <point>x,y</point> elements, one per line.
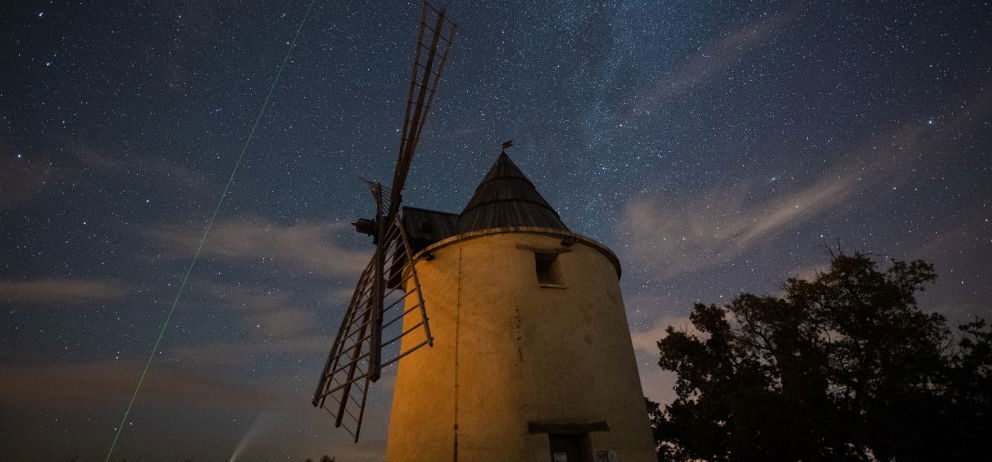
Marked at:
<point>387,304</point>
<point>424,78</point>
<point>344,384</point>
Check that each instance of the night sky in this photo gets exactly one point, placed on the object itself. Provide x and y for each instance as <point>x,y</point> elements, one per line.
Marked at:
<point>717,149</point>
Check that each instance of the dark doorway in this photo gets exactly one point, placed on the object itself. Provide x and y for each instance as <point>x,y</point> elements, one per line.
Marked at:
<point>570,447</point>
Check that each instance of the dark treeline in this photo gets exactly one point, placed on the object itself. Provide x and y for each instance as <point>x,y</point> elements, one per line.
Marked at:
<point>324,458</point>
<point>845,367</point>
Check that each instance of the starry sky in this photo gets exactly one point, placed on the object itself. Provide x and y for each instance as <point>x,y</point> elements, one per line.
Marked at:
<point>717,147</point>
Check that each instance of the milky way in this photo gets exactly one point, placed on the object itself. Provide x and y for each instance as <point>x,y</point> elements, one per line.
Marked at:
<point>717,149</point>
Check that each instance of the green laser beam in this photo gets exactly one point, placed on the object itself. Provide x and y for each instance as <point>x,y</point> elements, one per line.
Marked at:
<point>206,232</point>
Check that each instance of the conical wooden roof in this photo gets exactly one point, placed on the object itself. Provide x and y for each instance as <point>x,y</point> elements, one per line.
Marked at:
<point>507,198</point>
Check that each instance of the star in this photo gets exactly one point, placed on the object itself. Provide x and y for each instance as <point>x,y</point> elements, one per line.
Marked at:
<point>651,130</point>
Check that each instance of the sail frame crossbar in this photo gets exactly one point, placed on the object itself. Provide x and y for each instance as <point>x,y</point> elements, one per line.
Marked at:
<point>344,385</point>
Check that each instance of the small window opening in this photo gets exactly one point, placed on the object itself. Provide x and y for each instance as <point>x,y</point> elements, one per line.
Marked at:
<point>547,268</point>
<point>606,456</point>
<point>570,447</point>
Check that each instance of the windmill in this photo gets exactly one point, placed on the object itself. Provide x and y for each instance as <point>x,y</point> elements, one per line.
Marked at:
<point>532,357</point>
<point>376,318</point>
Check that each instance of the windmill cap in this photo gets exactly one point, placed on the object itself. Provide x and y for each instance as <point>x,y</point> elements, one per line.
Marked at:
<point>506,198</point>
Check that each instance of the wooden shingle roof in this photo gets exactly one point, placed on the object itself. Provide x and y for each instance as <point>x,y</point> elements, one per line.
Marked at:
<point>505,198</point>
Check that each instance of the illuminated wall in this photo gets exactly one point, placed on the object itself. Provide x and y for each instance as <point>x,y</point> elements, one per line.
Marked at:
<point>532,349</point>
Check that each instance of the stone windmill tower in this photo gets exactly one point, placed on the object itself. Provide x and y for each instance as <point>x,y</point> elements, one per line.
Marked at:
<point>532,357</point>
<point>529,357</point>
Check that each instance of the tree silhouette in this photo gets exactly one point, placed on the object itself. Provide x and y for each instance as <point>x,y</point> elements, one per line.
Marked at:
<point>843,367</point>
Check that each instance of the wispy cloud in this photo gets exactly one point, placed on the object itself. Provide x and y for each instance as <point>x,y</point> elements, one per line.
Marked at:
<point>98,384</point>
<point>267,313</point>
<point>24,176</point>
<point>304,246</point>
<point>235,353</point>
<point>808,272</point>
<point>339,296</point>
<point>61,291</point>
<point>657,383</point>
<point>146,169</point>
<point>646,341</point>
<point>668,238</point>
<point>710,62</point>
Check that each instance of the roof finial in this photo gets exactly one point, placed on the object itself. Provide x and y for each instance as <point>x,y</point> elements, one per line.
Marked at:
<point>507,144</point>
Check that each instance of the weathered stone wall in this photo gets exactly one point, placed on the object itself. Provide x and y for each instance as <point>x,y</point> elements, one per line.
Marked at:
<point>509,352</point>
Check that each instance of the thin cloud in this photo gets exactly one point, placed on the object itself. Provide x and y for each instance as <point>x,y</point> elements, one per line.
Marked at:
<point>266,313</point>
<point>147,169</point>
<point>669,239</point>
<point>235,353</point>
<point>339,296</point>
<point>304,246</point>
<point>26,176</point>
<point>646,341</point>
<point>809,272</point>
<point>709,63</point>
<point>657,383</point>
<point>99,384</point>
<point>61,291</point>
<point>672,238</point>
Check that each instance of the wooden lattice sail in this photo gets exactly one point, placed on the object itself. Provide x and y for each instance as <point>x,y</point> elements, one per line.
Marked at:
<point>370,333</point>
